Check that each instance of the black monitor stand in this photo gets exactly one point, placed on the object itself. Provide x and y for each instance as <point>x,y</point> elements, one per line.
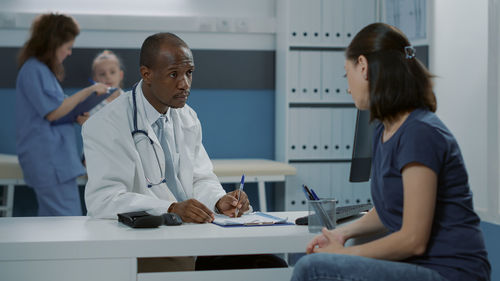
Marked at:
<point>362,149</point>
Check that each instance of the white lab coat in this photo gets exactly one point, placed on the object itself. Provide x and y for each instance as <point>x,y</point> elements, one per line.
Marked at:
<point>116,174</point>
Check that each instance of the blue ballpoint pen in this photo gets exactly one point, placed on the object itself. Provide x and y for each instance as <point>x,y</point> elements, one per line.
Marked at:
<point>242,183</point>
<point>314,194</point>
<point>322,215</point>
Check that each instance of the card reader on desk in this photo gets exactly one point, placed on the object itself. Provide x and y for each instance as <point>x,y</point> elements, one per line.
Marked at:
<point>342,212</point>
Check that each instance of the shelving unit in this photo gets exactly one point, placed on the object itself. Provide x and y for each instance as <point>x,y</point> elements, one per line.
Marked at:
<point>315,116</point>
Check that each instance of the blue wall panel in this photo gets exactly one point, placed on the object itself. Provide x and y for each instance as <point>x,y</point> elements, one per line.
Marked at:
<point>7,121</point>
<point>236,123</point>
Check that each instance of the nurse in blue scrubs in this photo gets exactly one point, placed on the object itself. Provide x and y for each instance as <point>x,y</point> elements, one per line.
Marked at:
<point>48,153</point>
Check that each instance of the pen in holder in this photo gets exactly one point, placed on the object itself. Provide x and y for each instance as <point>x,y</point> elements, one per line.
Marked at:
<point>321,214</point>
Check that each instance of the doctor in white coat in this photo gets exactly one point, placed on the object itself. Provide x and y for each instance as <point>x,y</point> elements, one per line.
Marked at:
<point>127,172</point>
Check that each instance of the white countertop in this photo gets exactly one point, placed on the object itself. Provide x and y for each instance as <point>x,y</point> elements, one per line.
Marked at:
<point>32,238</point>
<point>10,169</point>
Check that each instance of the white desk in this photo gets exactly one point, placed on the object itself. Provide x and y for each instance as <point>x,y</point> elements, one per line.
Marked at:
<point>227,170</point>
<point>81,248</point>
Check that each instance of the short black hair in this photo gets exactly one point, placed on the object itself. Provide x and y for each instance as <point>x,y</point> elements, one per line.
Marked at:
<point>152,44</point>
<point>398,83</point>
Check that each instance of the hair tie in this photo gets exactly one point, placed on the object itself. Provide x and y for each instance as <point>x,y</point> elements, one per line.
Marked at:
<point>410,52</point>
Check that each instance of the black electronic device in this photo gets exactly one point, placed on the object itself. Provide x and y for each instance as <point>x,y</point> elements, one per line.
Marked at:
<point>302,220</point>
<point>171,219</point>
<point>140,219</point>
<point>361,163</point>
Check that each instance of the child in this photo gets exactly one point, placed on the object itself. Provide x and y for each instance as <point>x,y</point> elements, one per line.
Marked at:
<point>107,68</point>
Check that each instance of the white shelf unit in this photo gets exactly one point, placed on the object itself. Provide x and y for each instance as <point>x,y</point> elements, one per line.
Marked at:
<point>315,117</point>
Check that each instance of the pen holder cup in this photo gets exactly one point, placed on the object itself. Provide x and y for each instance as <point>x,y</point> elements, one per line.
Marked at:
<point>321,214</point>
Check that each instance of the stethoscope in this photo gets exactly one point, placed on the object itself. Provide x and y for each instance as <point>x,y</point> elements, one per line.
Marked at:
<point>136,132</point>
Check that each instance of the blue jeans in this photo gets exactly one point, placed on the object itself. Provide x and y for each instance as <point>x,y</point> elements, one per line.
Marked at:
<point>344,268</point>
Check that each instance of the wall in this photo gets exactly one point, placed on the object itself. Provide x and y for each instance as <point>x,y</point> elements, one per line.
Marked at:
<point>461,82</point>
<point>216,24</point>
<point>460,56</point>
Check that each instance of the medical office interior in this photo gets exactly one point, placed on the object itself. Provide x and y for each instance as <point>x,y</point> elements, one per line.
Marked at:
<point>269,82</point>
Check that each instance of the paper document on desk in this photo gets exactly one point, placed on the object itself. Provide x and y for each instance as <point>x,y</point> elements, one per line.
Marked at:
<point>250,219</point>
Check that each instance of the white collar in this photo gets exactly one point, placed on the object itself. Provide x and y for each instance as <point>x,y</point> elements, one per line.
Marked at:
<point>151,113</point>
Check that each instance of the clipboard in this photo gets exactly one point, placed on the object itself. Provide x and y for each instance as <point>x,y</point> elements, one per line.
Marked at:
<point>85,106</point>
<point>249,220</point>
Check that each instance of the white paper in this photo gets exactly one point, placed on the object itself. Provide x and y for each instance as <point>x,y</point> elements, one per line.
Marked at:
<point>255,218</point>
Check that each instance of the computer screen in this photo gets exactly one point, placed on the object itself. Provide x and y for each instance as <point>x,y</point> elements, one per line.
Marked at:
<point>361,163</point>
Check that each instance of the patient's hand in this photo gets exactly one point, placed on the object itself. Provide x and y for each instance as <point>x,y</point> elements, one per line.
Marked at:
<point>329,241</point>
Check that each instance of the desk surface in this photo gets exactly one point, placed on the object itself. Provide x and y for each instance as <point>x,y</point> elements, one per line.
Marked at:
<point>32,238</point>
<point>10,169</point>
<point>251,167</point>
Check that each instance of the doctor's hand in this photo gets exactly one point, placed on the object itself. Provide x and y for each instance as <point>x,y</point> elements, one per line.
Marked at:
<point>229,202</point>
<point>192,210</point>
<point>330,241</point>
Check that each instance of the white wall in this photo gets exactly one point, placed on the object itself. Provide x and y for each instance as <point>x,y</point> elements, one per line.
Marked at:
<point>238,8</point>
<point>459,57</point>
<point>214,24</point>
<point>496,77</point>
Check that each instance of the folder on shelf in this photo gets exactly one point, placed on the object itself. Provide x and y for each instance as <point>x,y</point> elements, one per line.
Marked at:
<point>326,126</point>
<point>315,133</point>
<point>293,133</point>
<point>332,24</point>
<point>315,75</point>
<point>293,78</point>
<point>251,219</point>
<point>328,78</point>
<point>84,106</point>
<point>303,149</point>
<point>348,124</point>
<point>296,21</point>
<point>339,81</point>
<point>304,76</point>
<point>337,152</point>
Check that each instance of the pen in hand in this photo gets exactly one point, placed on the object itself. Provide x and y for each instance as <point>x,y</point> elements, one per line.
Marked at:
<point>239,195</point>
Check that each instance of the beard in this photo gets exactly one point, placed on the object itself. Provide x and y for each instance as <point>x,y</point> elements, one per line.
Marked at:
<point>175,103</point>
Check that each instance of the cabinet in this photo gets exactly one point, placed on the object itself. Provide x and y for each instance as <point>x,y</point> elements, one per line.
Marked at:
<point>315,116</point>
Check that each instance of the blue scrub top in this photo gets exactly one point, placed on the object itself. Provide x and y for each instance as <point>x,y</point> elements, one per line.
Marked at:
<point>47,153</point>
<point>456,247</point>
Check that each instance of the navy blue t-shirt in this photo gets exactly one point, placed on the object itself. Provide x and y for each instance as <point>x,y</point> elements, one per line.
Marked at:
<point>456,246</point>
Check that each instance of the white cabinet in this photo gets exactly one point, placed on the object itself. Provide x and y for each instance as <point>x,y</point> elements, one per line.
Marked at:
<point>315,117</point>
